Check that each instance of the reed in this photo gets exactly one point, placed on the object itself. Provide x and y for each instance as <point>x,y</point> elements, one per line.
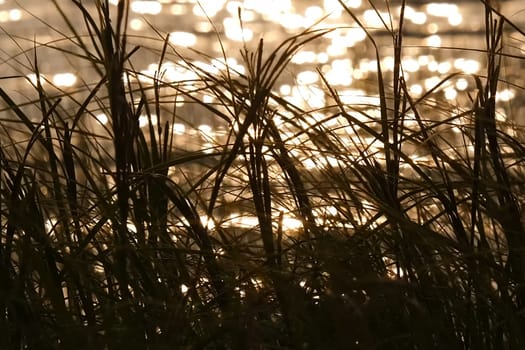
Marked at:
<point>115,235</point>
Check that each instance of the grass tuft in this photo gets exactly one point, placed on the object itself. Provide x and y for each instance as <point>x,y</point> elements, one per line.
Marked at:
<point>356,225</point>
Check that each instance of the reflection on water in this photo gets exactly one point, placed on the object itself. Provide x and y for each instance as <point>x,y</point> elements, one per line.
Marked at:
<point>440,40</point>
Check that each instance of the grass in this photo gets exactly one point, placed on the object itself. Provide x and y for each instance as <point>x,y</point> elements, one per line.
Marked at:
<point>120,236</point>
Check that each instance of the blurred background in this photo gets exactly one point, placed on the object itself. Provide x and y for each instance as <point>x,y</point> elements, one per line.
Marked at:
<point>440,38</point>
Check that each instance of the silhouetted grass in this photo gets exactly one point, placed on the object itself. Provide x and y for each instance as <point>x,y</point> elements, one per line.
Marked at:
<point>121,236</point>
